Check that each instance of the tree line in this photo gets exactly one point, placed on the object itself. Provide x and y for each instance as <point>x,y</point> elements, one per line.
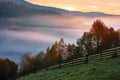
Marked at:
<point>99,37</point>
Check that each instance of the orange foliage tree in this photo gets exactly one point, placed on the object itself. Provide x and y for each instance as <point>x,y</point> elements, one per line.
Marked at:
<point>8,69</point>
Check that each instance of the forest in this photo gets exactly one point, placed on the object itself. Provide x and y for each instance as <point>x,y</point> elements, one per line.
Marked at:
<point>98,38</point>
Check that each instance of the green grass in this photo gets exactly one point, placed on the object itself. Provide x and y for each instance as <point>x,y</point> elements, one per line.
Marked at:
<point>107,69</point>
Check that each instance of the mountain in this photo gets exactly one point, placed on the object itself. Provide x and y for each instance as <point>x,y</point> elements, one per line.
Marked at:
<point>13,8</point>
<point>27,4</point>
<point>62,11</point>
<point>9,8</point>
<point>91,14</point>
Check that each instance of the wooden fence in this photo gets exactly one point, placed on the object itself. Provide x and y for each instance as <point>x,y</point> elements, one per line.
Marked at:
<point>109,53</point>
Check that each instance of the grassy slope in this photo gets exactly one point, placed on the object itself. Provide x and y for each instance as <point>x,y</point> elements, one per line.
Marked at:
<point>107,69</point>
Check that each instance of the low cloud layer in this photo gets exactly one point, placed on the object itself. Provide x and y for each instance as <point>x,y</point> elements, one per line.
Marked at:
<point>36,33</point>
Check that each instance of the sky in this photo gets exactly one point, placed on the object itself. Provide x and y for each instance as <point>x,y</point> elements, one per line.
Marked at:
<point>105,6</point>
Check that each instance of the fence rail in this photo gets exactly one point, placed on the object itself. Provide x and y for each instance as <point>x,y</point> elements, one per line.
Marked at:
<point>109,53</point>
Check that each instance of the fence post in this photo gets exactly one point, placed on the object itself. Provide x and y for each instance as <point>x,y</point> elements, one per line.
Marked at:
<point>72,62</point>
<point>86,58</point>
<point>100,56</point>
<point>59,63</point>
<point>115,53</point>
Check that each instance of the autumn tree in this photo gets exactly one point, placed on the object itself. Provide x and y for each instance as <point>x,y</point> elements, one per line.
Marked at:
<point>99,37</point>
<point>99,33</point>
<point>118,31</point>
<point>38,61</point>
<point>69,51</point>
<point>85,43</point>
<point>13,67</point>
<point>52,55</point>
<point>8,69</point>
<point>58,52</point>
<point>3,70</point>
<point>76,52</point>
<point>113,37</point>
<point>47,57</point>
<point>61,49</point>
<point>26,65</point>
<point>54,52</point>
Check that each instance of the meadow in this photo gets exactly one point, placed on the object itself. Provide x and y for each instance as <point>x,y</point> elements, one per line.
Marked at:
<point>107,69</point>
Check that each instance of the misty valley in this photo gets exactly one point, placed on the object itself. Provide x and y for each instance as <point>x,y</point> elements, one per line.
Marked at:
<point>37,35</point>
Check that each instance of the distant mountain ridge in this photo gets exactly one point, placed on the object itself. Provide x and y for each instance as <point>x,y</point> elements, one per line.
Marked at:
<point>11,8</point>
<point>27,4</point>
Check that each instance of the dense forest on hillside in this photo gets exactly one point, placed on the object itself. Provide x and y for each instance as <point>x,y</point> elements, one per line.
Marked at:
<point>99,37</point>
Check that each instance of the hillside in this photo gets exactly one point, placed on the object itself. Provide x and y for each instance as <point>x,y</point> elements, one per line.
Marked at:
<point>12,9</point>
<point>107,69</point>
